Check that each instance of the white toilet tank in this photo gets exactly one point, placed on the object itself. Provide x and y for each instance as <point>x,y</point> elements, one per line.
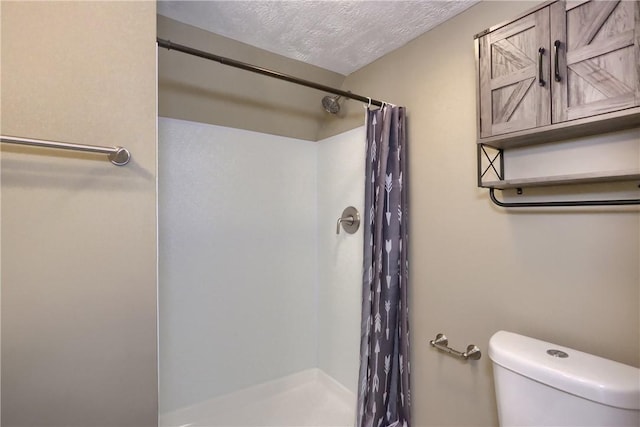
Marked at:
<point>543,384</point>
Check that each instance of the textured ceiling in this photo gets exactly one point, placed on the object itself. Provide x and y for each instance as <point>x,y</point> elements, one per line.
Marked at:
<point>341,36</point>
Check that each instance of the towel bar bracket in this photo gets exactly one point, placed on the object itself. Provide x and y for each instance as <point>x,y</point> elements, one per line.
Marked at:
<point>120,156</point>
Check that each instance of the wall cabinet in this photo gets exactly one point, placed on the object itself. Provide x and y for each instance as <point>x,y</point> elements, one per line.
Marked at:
<point>595,61</point>
<point>563,70</point>
<point>513,75</point>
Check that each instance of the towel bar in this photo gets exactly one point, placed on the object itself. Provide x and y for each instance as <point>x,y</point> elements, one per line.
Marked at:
<point>442,343</point>
<point>119,156</point>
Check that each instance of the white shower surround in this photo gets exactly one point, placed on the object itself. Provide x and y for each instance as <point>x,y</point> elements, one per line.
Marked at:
<point>255,286</point>
<point>340,184</point>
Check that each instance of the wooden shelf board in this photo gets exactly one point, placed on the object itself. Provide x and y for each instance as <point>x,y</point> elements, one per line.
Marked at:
<point>582,178</point>
<point>609,122</point>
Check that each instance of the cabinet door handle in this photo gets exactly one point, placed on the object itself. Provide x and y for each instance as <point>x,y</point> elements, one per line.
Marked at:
<point>556,47</point>
<point>540,78</point>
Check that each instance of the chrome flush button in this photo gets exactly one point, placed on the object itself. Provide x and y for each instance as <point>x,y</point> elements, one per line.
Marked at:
<point>557,353</point>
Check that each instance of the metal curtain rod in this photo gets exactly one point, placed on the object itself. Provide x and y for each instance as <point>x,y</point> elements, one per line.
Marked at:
<point>264,71</point>
<point>572,203</point>
<point>119,156</point>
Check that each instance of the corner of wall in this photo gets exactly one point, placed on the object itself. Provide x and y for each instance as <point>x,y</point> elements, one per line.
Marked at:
<point>238,98</point>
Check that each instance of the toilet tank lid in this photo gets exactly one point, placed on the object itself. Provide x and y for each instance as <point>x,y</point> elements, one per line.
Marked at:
<point>582,374</point>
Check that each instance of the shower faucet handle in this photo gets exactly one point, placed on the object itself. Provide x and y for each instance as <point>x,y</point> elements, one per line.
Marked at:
<point>350,220</point>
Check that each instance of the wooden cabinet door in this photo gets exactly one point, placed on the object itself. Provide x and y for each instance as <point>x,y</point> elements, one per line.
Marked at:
<point>514,86</point>
<point>598,57</point>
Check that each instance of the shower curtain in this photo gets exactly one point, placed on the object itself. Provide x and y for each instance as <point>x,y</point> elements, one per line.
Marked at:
<point>384,397</point>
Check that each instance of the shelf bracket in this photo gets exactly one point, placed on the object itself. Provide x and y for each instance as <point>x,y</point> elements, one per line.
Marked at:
<point>492,163</point>
<point>572,203</point>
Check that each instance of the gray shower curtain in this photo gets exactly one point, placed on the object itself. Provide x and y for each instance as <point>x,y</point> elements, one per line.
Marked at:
<point>384,397</point>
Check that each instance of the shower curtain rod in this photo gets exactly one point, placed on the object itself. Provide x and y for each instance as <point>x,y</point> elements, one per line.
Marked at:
<point>264,71</point>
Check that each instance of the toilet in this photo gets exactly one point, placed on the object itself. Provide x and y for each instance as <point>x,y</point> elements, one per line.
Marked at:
<point>542,384</point>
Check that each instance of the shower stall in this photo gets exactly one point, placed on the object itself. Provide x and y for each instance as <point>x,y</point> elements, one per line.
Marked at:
<point>260,296</point>
<point>259,312</point>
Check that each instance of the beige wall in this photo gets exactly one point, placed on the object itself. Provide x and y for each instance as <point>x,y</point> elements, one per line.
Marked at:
<point>79,234</point>
<point>196,89</point>
<point>566,276</point>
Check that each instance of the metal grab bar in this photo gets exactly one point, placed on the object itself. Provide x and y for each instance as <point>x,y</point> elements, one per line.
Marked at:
<point>119,156</point>
<point>442,343</point>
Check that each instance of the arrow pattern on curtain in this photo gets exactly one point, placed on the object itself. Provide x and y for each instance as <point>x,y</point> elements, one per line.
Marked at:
<point>384,397</point>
